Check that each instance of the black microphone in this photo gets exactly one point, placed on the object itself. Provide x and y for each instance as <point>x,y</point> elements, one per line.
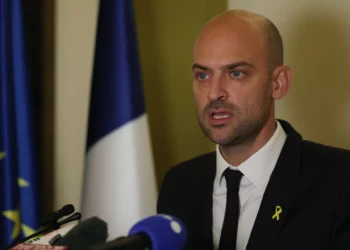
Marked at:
<point>73,217</point>
<point>51,224</point>
<point>138,241</point>
<point>64,211</point>
<point>159,232</point>
<point>48,228</point>
<point>86,234</point>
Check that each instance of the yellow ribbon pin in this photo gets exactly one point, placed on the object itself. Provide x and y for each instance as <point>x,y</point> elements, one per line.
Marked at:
<point>278,210</point>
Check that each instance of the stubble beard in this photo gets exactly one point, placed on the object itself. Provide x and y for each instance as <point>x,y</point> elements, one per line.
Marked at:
<point>243,132</point>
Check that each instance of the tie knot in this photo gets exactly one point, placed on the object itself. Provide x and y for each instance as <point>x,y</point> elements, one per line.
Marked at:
<point>233,177</point>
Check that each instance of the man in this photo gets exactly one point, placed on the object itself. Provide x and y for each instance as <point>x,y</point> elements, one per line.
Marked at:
<point>264,187</point>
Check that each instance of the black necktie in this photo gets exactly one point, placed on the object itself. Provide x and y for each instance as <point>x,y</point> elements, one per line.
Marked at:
<point>228,236</point>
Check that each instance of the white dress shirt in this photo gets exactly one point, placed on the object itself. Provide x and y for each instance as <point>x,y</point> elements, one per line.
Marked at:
<point>256,172</point>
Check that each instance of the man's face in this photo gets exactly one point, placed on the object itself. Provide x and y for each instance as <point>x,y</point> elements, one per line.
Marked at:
<point>231,83</point>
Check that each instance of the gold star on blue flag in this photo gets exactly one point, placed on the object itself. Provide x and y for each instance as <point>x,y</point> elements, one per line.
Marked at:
<point>18,226</point>
<point>19,201</point>
<point>2,155</point>
<point>14,216</point>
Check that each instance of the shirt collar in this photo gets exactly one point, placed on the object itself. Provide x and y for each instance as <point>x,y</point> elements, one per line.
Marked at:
<point>257,168</point>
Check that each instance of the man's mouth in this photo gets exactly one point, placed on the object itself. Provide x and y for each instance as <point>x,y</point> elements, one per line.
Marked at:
<point>219,116</point>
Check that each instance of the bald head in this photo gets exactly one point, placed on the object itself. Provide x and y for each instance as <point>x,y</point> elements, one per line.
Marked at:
<point>237,75</point>
<point>241,21</point>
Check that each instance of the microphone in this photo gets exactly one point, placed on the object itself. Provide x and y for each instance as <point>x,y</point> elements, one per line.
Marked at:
<point>73,217</point>
<point>50,223</point>
<point>53,236</point>
<point>47,229</point>
<point>159,232</point>
<point>86,234</point>
<point>65,210</point>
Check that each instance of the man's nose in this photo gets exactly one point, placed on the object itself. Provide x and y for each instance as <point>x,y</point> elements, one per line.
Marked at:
<point>217,90</point>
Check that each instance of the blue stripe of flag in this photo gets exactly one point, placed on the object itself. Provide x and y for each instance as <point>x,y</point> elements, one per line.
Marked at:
<point>26,153</point>
<point>16,130</point>
<point>116,93</point>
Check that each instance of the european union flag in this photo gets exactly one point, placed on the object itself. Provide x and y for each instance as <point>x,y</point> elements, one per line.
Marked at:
<point>18,169</point>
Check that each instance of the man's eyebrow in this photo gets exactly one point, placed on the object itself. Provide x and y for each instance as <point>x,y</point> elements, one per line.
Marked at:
<point>227,67</point>
<point>198,66</point>
<point>238,64</point>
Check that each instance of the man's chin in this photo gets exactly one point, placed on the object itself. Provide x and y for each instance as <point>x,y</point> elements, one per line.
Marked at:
<point>219,134</point>
<point>222,140</point>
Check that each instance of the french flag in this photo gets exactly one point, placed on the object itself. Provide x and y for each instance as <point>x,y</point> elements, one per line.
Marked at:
<point>119,179</point>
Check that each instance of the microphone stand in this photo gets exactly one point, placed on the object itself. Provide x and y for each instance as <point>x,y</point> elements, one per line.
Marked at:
<point>52,226</point>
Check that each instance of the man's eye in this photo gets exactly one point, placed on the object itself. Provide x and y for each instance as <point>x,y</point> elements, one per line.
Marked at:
<point>237,74</point>
<point>202,76</point>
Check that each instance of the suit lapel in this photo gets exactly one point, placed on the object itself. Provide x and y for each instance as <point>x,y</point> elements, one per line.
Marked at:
<point>279,195</point>
<point>202,212</point>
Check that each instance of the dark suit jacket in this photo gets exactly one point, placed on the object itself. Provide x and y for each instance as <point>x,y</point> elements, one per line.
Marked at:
<point>310,182</point>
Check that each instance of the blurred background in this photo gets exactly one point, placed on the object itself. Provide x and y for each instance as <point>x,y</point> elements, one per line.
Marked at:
<point>61,38</point>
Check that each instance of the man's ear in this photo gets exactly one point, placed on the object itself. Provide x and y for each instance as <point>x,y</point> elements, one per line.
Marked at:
<point>281,80</point>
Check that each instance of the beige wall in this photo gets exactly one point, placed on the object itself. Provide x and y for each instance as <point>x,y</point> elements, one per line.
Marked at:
<point>75,23</point>
<point>166,33</point>
<point>316,36</point>
<point>167,30</point>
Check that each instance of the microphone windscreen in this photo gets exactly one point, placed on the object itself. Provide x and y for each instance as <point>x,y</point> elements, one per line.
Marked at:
<point>54,216</point>
<point>164,232</point>
<point>88,233</point>
<point>67,209</point>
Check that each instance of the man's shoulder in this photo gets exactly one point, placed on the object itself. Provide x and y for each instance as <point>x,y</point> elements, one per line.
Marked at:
<point>325,151</point>
<point>333,161</point>
<point>198,160</point>
<point>194,165</point>
<point>180,180</point>
<point>311,148</point>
